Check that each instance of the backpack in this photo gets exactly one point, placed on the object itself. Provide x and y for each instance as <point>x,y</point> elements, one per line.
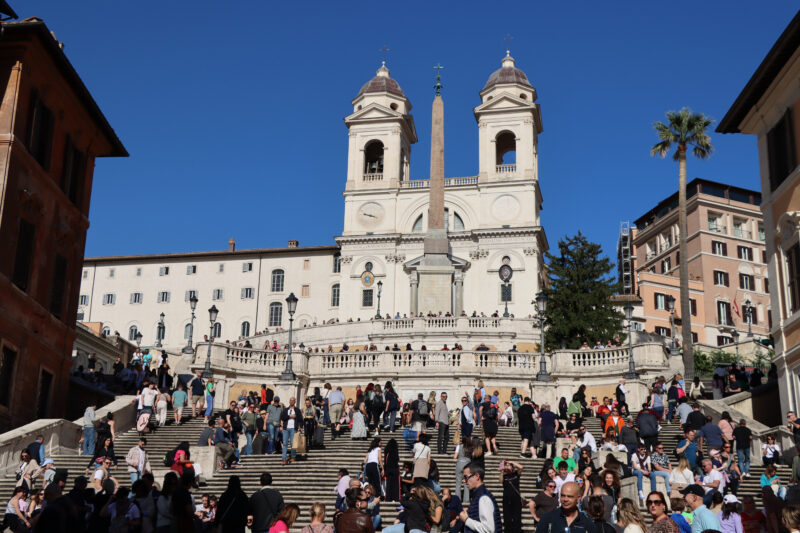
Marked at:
<point>491,412</point>
<point>422,408</point>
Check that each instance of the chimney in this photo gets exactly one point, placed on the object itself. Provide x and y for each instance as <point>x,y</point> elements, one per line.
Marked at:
<point>293,244</point>
<point>232,245</point>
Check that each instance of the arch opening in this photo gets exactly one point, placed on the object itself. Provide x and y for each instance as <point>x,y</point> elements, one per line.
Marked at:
<point>506,148</point>
<point>373,158</point>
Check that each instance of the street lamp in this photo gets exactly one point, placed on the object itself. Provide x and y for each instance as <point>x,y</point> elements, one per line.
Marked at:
<point>632,374</point>
<point>291,305</point>
<point>505,298</point>
<point>160,331</point>
<point>193,304</point>
<point>380,288</point>
<point>749,318</point>
<point>735,335</point>
<point>541,307</point>
<point>673,347</point>
<point>212,316</point>
<point>138,339</point>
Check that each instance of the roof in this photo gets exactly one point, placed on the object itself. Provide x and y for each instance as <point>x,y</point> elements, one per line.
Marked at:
<point>211,254</point>
<point>37,28</point>
<point>382,83</point>
<point>783,49</point>
<point>508,73</point>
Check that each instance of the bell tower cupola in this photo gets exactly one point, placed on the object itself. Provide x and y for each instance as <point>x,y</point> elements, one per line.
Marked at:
<point>509,124</point>
<point>381,134</point>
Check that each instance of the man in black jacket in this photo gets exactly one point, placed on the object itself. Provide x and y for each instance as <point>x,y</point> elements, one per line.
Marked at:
<point>265,503</point>
<point>696,418</point>
<point>648,427</point>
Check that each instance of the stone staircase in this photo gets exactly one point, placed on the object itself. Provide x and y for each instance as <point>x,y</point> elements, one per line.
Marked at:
<point>313,479</point>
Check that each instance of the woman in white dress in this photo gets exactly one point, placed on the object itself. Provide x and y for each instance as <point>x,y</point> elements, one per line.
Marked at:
<point>359,430</point>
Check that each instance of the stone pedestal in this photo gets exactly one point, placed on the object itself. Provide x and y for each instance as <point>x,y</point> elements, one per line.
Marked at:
<point>286,389</point>
<point>435,288</point>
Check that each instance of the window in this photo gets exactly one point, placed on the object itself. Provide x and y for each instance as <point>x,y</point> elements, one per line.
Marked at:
<point>23,260</point>
<point>723,340</point>
<point>191,269</point>
<point>40,131</point>
<point>740,228</point>
<point>305,291</point>
<point>245,329</point>
<point>83,299</point>
<point>58,286</point>
<point>277,280</point>
<point>665,265</point>
<point>163,297</point>
<point>109,299</point>
<point>764,256</point>
<point>217,295</point>
<point>724,314</point>
<point>216,330</point>
<point>275,314</point>
<point>187,331</point>
<point>766,285</point>
<point>138,272</point>
<point>373,158</point>
<point>366,298</point>
<point>72,173</point>
<point>505,292</point>
<point>163,271</point>
<point>136,297</point>
<point>106,331</point>
<point>721,278</point>
<point>221,267</point>
<point>248,293</point>
<point>694,337</point>
<point>458,224</point>
<point>79,315</point>
<point>505,148</point>
<point>7,365</point>
<point>747,282</point>
<point>337,263</point>
<point>188,295</point>
<point>715,224</point>
<point>780,150</point>
<point>664,332</point>
<point>660,301</point>
<point>85,274</point>
<point>719,248</point>
<point>417,228</point>
<point>111,272</point>
<point>793,277</point>
<point>335,295</point>
<point>745,253</point>
<point>761,235</point>
<point>752,313</point>
<point>306,264</point>
<point>132,331</point>
<point>693,306</point>
<point>368,266</point>
<point>247,267</point>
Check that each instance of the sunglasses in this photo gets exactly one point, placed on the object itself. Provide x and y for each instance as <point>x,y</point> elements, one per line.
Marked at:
<point>466,477</point>
<point>655,502</point>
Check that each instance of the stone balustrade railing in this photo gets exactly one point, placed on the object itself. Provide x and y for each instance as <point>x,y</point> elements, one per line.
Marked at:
<point>448,182</point>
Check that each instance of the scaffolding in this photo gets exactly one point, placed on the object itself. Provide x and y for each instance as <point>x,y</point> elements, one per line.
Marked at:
<point>625,258</point>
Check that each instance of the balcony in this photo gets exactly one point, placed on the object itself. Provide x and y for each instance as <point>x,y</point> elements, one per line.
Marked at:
<point>742,233</point>
<point>373,176</point>
<point>506,169</point>
<point>716,228</point>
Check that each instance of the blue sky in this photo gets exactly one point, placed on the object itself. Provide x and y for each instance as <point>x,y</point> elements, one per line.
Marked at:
<point>232,111</point>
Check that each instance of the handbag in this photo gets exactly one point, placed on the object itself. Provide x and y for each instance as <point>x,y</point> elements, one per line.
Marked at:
<point>298,443</point>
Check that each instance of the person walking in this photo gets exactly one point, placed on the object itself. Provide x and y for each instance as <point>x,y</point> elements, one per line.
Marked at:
<point>274,413</point>
<point>285,519</point>
<point>466,418</point>
<point>516,403</point>
<point>335,406</point>
<point>289,423</point>
<point>526,420</point>
<point>250,427</point>
<point>391,469</point>
<point>89,435</point>
<point>391,406</point>
<point>483,514</point>
<point>197,389</point>
<point>743,438</point>
<point>210,391</point>
<point>442,419</point>
<point>137,460</point>
<point>162,400</point>
<point>233,508</point>
<point>179,401</point>
<point>374,466</point>
<point>463,457</point>
<point>510,473</point>
<point>265,504</point>
<point>549,423</point>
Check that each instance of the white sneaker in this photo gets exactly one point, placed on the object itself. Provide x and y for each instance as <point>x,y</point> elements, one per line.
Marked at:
<point>488,454</point>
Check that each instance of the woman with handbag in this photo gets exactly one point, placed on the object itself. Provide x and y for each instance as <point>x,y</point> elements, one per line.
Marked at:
<point>680,478</point>
<point>771,452</point>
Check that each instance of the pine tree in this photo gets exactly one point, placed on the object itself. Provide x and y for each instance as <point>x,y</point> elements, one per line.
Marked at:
<point>579,307</point>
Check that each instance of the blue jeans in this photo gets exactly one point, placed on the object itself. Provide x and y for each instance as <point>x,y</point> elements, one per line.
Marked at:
<point>288,435</point>
<point>639,476</point>
<point>671,409</point>
<point>656,474</point>
<point>89,441</point>
<point>274,434</point>
<point>209,405</point>
<point>389,418</point>
<point>248,448</point>
<point>743,455</point>
<point>326,415</point>
<point>135,476</point>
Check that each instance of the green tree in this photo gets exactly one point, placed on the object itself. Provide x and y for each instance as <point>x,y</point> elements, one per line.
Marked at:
<point>579,307</point>
<point>684,129</point>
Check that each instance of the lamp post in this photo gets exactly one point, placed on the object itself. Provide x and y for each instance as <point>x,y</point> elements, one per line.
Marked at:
<point>212,316</point>
<point>505,298</point>
<point>160,331</point>
<point>541,307</point>
<point>138,339</point>
<point>673,347</point>
<point>632,374</point>
<point>749,318</point>
<point>380,289</point>
<point>291,305</point>
<point>193,304</point>
<point>735,335</point>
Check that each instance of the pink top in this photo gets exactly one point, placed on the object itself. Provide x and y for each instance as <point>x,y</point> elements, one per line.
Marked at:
<point>279,527</point>
<point>726,428</point>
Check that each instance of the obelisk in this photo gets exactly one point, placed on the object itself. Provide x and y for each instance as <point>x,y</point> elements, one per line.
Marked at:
<point>436,269</point>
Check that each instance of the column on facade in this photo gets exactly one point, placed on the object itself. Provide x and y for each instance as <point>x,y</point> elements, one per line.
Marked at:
<point>458,279</point>
<point>413,282</point>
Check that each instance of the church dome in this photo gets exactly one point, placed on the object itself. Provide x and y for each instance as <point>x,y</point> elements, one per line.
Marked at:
<point>382,83</point>
<point>508,73</point>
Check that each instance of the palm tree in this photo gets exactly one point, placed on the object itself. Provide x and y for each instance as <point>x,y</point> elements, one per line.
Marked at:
<point>684,129</point>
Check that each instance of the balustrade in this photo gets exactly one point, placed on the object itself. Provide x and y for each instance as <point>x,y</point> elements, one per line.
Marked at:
<point>506,169</point>
<point>373,176</point>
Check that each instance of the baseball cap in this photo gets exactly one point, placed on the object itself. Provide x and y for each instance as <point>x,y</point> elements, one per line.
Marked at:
<point>731,498</point>
<point>276,399</point>
<point>695,489</point>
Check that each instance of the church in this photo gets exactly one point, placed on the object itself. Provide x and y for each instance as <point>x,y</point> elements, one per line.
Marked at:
<point>442,245</point>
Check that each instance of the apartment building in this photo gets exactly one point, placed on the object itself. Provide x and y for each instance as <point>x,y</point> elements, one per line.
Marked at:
<point>769,108</point>
<point>728,283</point>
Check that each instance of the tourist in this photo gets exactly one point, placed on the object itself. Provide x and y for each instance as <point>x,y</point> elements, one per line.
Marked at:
<point>222,443</point>
<point>452,508</point>
<point>584,440</point>
<point>36,449</point>
<point>657,507</point>
<point>466,417</point>
<point>164,518</point>
<point>207,435</point>
<point>359,417</point>
<point>235,508</point>
<point>545,501</point>
<point>197,390</point>
<point>285,519</point>
<point>661,467</point>
<point>376,409</point>
<point>595,484</point>
<point>621,393</point>
<point>572,465</point>
<point>566,518</point>
<point>179,400</point>
<point>442,418</point>
<point>15,517</point>
<point>161,402</point>
<point>647,424</point>
<point>614,422</point>
<point>629,517</point>
<point>354,519</point>
<point>696,418</point>
<point>462,456</point>
<point>641,466</point>
<point>488,414</point>
<point>35,505</point>
<point>680,477</point>
<point>421,412</point>
<point>182,504</point>
<point>265,503</point>
<point>612,485</point>
<point>249,420</point>
<point>137,460</point>
<point>564,476</point>
<point>483,513</point>
<point>527,428</point>
<point>510,473</point>
<point>89,435</point>
<point>729,519</point>
<point>725,462</point>
<point>374,466</point>
<point>656,402</point>
<point>771,451</point>
<point>181,461</point>
<point>682,517</point>
<point>753,519</point>
<point>210,391</point>
<point>274,413</point>
<point>743,438</point>
<point>702,517</point>
<point>674,394</point>
<point>790,518</point>
<point>391,469</point>
<point>595,507</point>
<point>317,525</point>
<point>548,421</point>
<point>391,406</point>
<point>687,448</point>
<point>771,479</point>
<point>684,410</point>
<point>710,436</point>
<point>516,402</point>
<point>629,438</point>
<point>290,418</point>
<point>123,512</point>
<point>711,481</point>
<point>415,514</point>
<point>146,504</point>
<point>422,460</point>
<point>697,390</point>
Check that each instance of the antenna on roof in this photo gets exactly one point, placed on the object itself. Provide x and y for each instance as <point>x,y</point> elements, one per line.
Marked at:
<point>6,10</point>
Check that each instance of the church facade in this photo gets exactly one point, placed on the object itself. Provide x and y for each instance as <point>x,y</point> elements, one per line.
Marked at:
<point>398,235</point>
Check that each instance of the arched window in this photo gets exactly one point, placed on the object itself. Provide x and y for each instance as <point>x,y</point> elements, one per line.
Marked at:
<point>335,295</point>
<point>418,225</point>
<point>506,147</point>
<point>403,163</point>
<point>107,331</point>
<point>373,158</point>
<point>458,224</point>
<point>277,280</point>
<point>132,331</point>
<point>245,329</point>
<point>187,331</point>
<point>275,314</point>
<point>217,330</point>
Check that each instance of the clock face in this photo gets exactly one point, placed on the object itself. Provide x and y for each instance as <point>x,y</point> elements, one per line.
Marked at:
<point>370,214</point>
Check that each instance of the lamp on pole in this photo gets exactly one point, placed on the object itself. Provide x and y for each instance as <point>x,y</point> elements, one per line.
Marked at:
<point>735,335</point>
<point>505,298</point>
<point>160,331</point>
<point>380,289</point>
<point>632,374</point>
<point>138,339</point>
<point>541,307</point>
<point>291,305</point>
<point>673,347</point>
<point>212,316</point>
<point>193,304</point>
<point>749,318</point>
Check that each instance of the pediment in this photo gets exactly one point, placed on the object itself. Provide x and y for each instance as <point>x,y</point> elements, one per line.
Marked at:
<point>504,102</point>
<point>374,111</point>
<point>458,263</point>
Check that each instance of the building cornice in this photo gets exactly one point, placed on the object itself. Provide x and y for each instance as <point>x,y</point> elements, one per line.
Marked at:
<point>220,254</point>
